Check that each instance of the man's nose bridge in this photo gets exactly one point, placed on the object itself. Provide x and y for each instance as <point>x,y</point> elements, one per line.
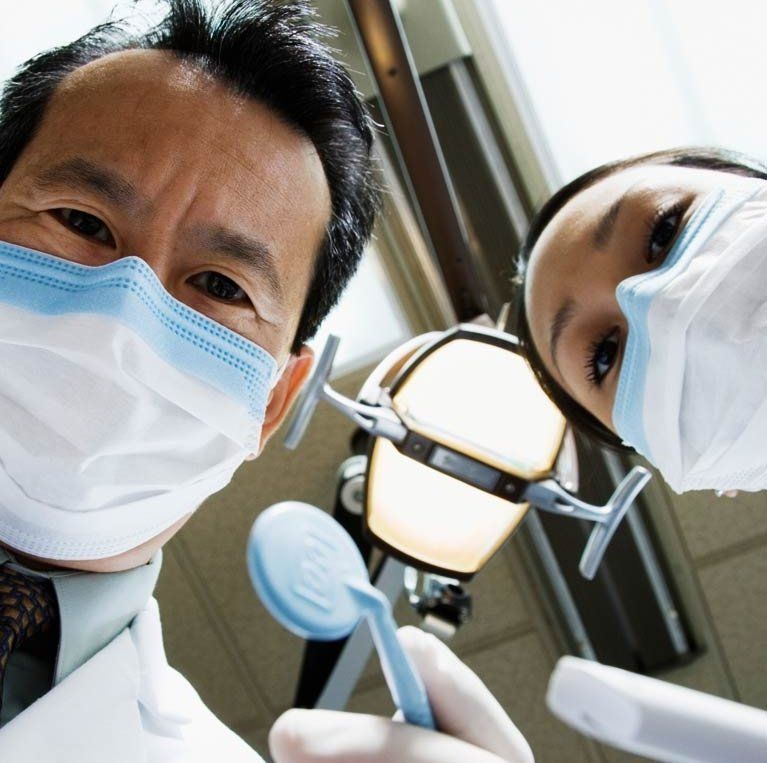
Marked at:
<point>161,263</point>
<point>157,239</point>
<point>158,247</point>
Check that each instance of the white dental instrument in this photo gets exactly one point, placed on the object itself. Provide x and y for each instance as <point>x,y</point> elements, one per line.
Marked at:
<point>654,718</point>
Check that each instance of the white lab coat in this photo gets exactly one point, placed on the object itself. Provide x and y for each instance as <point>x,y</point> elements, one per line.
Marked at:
<point>124,705</point>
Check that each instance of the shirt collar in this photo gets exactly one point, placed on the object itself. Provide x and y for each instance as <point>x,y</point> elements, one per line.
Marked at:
<point>94,607</point>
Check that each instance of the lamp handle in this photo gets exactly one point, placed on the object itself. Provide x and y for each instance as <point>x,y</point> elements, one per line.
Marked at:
<point>379,420</point>
<point>552,497</point>
<point>312,393</point>
<point>620,502</point>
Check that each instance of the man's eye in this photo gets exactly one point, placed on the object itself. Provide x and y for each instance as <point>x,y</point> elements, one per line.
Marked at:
<point>85,224</point>
<point>601,357</point>
<point>218,286</point>
<point>663,230</point>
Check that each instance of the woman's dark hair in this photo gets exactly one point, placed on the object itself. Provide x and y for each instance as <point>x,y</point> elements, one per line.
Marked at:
<point>701,158</point>
<point>269,50</point>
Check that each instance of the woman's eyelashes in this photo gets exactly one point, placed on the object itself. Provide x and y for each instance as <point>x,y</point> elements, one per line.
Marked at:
<point>662,231</point>
<point>601,357</point>
<point>84,224</point>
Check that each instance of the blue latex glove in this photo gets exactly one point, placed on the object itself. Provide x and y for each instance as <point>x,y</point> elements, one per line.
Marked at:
<point>474,728</point>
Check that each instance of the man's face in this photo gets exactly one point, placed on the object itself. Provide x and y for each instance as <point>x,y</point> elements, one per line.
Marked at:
<point>142,154</point>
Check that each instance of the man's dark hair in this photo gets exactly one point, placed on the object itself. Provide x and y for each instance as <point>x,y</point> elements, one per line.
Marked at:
<point>270,50</point>
<point>700,157</point>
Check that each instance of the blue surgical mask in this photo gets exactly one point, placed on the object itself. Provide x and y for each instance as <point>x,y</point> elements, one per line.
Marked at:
<point>122,408</point>
<point>683,365</point>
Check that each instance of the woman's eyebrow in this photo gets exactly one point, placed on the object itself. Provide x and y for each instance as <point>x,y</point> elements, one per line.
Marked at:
<point>563,316</point>
<point>604,229</point>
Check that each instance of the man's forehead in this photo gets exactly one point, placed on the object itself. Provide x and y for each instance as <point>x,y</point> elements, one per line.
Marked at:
<point>138,70</point>
<point>154,91</point>
<point>145,106</point>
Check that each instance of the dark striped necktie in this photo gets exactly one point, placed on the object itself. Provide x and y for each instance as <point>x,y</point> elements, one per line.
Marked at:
<point>27,609</point>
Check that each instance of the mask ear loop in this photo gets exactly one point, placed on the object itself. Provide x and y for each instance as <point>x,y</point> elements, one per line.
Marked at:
<point>278,372</point>
<point>253,441</point>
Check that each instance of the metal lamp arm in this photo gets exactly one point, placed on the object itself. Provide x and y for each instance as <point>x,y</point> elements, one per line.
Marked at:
<point>312,394</point>
<point>378,420</point>
<point>550,496</point>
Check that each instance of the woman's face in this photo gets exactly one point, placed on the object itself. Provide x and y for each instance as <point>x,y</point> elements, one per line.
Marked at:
<point>621,226</point>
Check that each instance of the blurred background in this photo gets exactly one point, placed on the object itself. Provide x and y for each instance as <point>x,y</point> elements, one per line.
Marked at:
<point>523,97</point>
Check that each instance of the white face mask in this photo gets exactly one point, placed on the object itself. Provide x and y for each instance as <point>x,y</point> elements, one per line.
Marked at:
<point>121,409</point>
<point>692,393</point>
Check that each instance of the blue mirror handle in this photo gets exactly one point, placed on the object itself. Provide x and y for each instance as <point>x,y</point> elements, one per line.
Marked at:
<point>406,687</point>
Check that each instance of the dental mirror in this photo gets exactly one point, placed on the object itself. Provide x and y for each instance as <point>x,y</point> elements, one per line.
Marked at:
<point>312,579</point>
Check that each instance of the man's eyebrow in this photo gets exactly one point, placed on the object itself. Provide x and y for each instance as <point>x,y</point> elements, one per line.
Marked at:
<point>251,252</point>
<point>563,316</point>
<point>89,177</point>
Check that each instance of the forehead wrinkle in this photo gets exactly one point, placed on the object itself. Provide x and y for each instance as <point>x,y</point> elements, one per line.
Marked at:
<point>88,176</point>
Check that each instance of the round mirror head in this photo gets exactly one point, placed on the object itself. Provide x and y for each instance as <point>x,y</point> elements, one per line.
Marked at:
<point>299,558</point>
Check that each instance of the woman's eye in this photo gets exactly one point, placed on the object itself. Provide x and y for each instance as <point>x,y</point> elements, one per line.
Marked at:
<point>85,224</point>
<point>662,232</point>
<point>601,358</point>
<point>218,286</point>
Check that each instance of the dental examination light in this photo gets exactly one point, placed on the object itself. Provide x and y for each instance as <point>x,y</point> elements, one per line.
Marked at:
<point>463,442</point>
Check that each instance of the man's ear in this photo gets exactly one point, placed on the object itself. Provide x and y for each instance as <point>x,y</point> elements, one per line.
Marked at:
<point>282,397</point>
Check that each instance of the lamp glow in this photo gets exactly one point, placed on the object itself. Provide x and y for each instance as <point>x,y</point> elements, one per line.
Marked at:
<point>479,399</point>
<point>483,400</point>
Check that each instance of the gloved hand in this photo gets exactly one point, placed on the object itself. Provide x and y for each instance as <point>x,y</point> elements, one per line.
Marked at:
<point>473,726</point>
